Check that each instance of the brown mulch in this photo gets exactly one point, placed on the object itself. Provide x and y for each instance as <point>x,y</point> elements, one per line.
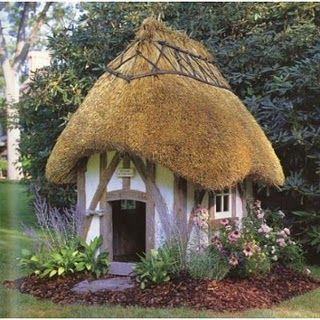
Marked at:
<point>225,295</point>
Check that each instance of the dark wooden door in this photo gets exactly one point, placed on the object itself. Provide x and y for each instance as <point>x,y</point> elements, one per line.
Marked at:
<point>129,233</point>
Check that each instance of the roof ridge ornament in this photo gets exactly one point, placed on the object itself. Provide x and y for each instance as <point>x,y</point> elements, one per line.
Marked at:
<point>189,65</point>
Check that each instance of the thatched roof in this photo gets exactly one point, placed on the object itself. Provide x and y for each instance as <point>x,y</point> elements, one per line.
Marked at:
<point>164,99</point>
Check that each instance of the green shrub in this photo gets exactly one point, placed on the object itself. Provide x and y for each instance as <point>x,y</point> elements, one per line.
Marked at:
<point>156,268</point>
<point>307,226</point>
<point>3,164</point>
<point>207,264</point>
<point>292,257</point>
<point>68,259</point>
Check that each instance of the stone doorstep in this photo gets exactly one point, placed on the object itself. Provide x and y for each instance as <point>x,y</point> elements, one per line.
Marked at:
<point>113,284</point>
<point>121,268</point>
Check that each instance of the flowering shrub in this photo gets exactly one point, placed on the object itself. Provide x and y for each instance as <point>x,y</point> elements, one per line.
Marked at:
<point>254,246</point>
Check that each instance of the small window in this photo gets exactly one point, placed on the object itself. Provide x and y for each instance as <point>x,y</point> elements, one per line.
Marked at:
<point>223,204</point>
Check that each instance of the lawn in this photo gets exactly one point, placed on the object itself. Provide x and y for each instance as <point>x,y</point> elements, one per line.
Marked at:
<point>14,211</point>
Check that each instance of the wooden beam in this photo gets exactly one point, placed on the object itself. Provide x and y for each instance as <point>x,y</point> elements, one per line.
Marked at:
<point>126,195</point>
<point>198,197</point>
<point>233,201</point>
<point>81,194</point>
<point>126,180</point>
<point>180,204</point>
<point>104,180</point>
<point>105,176</point>
<point>211,207</point>
<point>150,208</point>
<point>155,193</point>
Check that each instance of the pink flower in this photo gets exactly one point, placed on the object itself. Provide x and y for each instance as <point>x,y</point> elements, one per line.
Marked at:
<point>224,222</point>
<point>283,234</point>
<point>287,231</point>
<point>257,203</point>
<point>234,235</point>
<point>260,215</point>
<point>214,239</point>
<point>196,221</point>
<point>216,242</point>
<point>233,261</point>
<point>248,250</point>
<point>281,242</point>
<point>264,228</point>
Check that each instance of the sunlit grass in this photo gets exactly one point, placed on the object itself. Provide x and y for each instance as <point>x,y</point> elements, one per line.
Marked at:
<point>15,304</point>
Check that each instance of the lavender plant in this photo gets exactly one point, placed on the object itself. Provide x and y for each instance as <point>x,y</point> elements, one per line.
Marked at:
<point>55,228</point>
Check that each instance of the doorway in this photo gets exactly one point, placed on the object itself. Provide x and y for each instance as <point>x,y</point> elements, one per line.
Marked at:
<point>129,230</point>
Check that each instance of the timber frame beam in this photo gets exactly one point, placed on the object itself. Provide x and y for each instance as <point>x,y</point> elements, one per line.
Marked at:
<point>106,173</point>
<point>154,192</point>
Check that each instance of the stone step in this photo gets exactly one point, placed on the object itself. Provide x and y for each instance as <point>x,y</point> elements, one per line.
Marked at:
<point>113,284</point>
<point>121,268</point>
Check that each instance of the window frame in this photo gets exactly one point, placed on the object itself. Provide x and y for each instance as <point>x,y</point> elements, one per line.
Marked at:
<point>230,192</point>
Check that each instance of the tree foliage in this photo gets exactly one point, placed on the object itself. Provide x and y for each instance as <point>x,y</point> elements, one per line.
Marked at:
<point>269,52</point>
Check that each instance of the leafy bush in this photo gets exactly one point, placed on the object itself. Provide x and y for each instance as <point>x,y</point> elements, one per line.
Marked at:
<point>68,259</point>
<point>207,264</point>
<point>155,268</point>
<point>307,226</point>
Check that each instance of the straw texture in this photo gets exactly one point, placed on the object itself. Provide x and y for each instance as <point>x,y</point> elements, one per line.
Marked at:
<point>198,130</point>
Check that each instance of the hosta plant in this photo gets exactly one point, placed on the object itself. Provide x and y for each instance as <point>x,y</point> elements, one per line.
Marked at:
<point>99,264</point>
<point>156,268</point>
<point>67,259</point>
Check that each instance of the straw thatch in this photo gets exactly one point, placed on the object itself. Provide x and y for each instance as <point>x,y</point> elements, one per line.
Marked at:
<point>165,100</point>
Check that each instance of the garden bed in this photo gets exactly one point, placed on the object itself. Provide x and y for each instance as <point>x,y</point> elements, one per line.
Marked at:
<point>226,295</point>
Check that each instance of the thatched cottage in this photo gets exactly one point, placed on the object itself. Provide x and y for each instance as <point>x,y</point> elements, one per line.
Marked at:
<point>160,133</point>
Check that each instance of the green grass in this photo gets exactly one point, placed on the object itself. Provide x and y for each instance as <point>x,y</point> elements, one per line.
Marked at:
<point>14,210</point>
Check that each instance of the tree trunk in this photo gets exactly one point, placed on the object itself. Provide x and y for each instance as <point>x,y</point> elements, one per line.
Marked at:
<point>13,134</point>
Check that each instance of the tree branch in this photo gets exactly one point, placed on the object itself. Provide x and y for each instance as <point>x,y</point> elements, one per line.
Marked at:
<point>21,35</point>
<point>3,46</point>
<point>22,55</point>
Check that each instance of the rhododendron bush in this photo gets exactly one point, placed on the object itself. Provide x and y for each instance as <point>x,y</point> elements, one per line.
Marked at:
<point>252,245</point>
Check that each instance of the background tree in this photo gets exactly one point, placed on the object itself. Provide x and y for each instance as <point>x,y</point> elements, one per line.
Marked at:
<point>20,28</point>
<point>269,52</point>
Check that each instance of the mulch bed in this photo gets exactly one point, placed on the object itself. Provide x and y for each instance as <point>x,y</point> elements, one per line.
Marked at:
<point>226,295</point>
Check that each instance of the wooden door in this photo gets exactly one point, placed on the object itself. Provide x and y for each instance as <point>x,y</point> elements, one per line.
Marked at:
<point>129,231</point>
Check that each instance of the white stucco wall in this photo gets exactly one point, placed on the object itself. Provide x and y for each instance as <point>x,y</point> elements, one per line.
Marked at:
<point>115,182</point>
<point>137,182</point>
<point>94,230</point>
<point>92,181</point>
<point>165,182</point>
<point>239,204</point>
<point>92,177</point>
